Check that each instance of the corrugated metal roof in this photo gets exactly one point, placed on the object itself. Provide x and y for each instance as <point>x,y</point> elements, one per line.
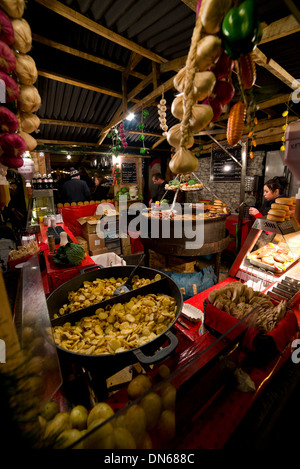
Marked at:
<point>163,27</point>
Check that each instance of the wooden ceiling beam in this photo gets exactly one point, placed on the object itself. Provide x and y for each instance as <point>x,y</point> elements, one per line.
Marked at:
<point>84,55</point>
<point>85,22</point>
<point>71,124</point>
<point>280,28</point>
<point>143,102</point>
<point>81,84</point>
<point>273,67</point>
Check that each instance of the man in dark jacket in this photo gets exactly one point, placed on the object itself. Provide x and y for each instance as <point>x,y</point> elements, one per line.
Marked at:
<point>75,190</point>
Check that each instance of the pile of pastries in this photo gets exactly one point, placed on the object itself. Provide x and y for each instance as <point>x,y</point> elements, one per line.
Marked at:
<point>282,209</point>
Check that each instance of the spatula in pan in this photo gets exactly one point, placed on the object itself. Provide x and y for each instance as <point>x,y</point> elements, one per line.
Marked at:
<point>127,285</point>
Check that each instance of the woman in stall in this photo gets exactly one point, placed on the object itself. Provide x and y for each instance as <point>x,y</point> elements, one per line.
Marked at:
<point>273,188</point>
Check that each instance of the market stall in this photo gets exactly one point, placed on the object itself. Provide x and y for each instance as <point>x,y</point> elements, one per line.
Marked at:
<point>116,358</point>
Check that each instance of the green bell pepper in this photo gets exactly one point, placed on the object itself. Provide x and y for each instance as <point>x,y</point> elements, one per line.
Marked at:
<point>241,30</point>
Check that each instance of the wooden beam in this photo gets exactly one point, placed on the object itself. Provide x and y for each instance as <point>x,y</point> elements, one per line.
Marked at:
<point>273,67</point>
<point>84,55</point>
<point>81,84</point>
<point>161,139</point>
<point>280,28</point>
<point>96,28</point>
<point>71,124</point>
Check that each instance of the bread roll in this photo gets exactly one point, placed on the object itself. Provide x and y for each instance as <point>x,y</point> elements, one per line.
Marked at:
<point>280,207</point>
<point>277,213</point>
<point>274,218</point>
<point>283,200</point>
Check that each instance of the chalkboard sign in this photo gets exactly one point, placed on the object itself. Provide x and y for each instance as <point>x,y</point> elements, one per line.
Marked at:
<point>223,168</point>
<point>128,173</point>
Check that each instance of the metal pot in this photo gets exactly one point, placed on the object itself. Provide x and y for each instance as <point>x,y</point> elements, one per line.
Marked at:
<point>148,353</point>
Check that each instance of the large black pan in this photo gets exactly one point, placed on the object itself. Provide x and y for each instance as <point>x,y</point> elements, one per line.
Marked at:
<point>146,354</point>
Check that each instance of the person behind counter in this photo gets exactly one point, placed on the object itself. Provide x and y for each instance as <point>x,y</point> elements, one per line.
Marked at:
<point>100,192</point>
<point>75,189</point>
<point>273,189</point>
<point>161,192</point>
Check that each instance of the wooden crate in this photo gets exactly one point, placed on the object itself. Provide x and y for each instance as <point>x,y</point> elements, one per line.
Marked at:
<point>126,246</point>
<point>181,264</point>
<point>157,261</point>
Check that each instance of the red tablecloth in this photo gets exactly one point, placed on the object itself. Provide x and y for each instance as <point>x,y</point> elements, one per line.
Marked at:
<point>71,214</point>
<point>212,429</point>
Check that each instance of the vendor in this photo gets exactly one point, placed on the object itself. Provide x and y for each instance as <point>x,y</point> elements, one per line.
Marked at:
<point>161,192</point>
<point>273,189</point>
<point>75,190</point>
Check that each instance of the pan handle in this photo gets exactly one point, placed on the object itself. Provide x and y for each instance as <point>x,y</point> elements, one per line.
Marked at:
<point>91,267</point>
<point>161,354</point>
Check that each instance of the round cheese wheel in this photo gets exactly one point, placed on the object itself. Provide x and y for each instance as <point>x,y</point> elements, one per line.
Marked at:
<point>280,207</point>
<point>283,200</point>
<point>277,213</point>
<point>274,218</point>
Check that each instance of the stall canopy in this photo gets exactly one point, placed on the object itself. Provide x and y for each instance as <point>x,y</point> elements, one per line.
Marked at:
<point>99,60</point>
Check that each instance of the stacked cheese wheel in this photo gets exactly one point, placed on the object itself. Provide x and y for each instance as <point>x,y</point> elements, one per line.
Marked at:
<point>283,209</point>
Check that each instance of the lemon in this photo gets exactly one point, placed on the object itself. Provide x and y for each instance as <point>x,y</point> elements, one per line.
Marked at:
<point>136,422</point>
<point>78,416</point>
<point>152,405</point>
<point>68,437</point>
<point>124,439</point>
<point>168,396</point>
<point>166,426</point>
<point>100,438</point>
<point>102,410</point>
<point>56,426</point>
<point>50,410</point>
<point>139,386</point>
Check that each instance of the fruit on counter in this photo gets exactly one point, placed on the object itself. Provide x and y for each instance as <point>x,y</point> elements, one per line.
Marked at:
<point>50,410</point>
<point>79,416</point>
<point>101,410</point>
<point>152,405</point>
<point>138,386</point>
<point>69,254</point>
<point>135,421</point>
<point>99,435</point>
<point>183,162</point>
<point>241,30</point>
<point>68,438</point>
<point>123,438</point>
<point>212,13</point>
<point>247,69</point>
<point>209,50</point>
<point>57,425</point>
<point>166,426</point>
<point>168,396</point>
<point>235,124</point>
<point>174,137</point>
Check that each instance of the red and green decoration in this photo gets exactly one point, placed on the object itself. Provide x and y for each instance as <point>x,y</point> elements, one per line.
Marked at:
<point>118,139</point>
<point>143,150</point>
